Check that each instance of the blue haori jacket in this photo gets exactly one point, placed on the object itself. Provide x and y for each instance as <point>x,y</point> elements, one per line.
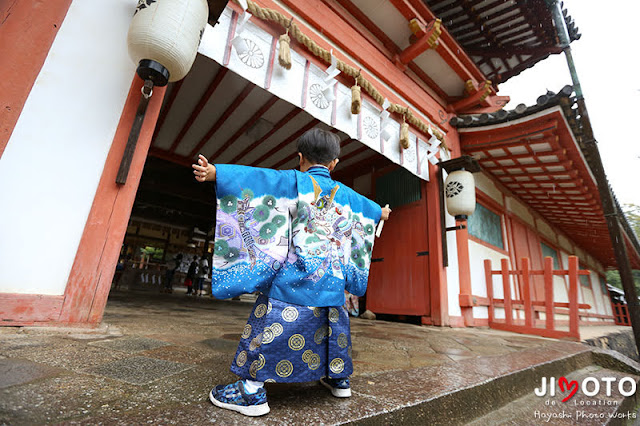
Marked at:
<point>298,237</point>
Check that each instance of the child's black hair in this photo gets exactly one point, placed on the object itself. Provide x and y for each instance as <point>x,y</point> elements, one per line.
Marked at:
<point>319,146</point>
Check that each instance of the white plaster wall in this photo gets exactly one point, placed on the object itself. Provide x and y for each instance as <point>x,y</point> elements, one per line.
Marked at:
<point>565,265</point>
<point>565,243</point>
<point>596,294</point>
<point>54,159</point>
<point>486,185</point>
<point>544,229</point>
<point>477,254</point>
<point>520,210</point>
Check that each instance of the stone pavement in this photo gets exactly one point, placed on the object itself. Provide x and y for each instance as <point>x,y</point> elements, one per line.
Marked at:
<point>156,357</point>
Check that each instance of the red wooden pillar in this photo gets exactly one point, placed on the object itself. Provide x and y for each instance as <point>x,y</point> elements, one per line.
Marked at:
<point>464,273</point>
<point>573,296</point>
<point>526,291</point>
<point>548,292</point>
<point>94,266</point>
<point>437,272</point>
<point>488,275</point>
<point>506,288</point>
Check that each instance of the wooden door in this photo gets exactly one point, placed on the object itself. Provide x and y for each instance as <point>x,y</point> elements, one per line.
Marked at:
<point>526,243</point>
<point>398,280</point>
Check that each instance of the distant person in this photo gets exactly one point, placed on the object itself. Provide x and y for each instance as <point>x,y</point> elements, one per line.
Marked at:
<point>191,275</point>
<point>172,265</point>
<point>202,274</point>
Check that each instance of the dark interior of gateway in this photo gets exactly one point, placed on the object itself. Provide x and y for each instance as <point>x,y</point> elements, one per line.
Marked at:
<point>229,120</point>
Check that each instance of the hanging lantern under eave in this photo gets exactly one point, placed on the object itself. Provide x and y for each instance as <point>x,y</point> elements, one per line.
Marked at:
<point>460,193</point>
<point>164,37</point>
<point>163,40</point>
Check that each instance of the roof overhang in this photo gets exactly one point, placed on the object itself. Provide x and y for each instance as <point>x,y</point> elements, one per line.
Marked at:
<point>538,159</point>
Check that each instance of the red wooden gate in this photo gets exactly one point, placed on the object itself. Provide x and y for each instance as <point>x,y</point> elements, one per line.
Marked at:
<point>529,325</point>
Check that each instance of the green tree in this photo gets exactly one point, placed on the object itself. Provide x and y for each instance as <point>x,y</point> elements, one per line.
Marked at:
<point>632,213</point>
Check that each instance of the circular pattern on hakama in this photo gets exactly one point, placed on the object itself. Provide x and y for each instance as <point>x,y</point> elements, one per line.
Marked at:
<point>289,314</point>
<point>277,328</point>
<point>261,309</point>
<point>284,368</point>
<point>314,361</point>
<point>336,366</point>
<point>241,359</point>
<point>267,335</point>
<point>334,315</point>
<point>247,331</point>
<point>342,340</point>
<point>296,342</point>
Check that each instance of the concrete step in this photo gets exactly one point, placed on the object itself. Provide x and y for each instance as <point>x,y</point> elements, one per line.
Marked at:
<point>508,397</point>
<point>599,407</point>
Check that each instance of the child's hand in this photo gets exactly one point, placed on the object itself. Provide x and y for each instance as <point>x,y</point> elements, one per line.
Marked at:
<point>386,211</point>
<point>204,171</point>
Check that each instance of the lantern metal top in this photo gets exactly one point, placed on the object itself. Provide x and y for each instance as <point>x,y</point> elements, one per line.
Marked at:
<point>465,162</point>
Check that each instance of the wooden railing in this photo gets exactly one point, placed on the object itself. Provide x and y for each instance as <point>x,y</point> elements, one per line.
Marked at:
<point>529,306</point>
<point>621,314</point>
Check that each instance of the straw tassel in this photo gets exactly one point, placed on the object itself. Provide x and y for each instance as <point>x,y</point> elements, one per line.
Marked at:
<point>404,135</point>
<point>284,53</point>
<point>356,99</point>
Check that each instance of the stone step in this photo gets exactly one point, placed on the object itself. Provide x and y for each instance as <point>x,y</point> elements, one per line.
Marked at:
<point>599,406</point>
<point>446,397</point>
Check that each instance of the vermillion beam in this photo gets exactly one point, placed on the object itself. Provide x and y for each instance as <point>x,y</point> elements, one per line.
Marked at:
<point>508,135</point>
<point>250,122</point>
<point>448,48</point>
<point>388,46</point>
<point>295,154</point>
<point>201,103</point>
<point>174,158</point>
<point>423,44</point>
<point>290,116</point>
<point>167,107</point>
<point>354,153</point>
<point>287,141</point>
<point>225,115</point>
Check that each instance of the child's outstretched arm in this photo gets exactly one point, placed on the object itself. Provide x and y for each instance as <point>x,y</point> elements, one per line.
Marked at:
<point>204,171</point>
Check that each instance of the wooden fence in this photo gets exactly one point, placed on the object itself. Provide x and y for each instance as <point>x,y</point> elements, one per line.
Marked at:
<point>528,305</point>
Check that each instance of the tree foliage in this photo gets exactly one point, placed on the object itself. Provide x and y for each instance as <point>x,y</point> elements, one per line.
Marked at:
<point>632,213</point>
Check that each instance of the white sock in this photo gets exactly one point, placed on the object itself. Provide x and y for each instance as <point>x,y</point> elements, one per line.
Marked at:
<point>251,386</point>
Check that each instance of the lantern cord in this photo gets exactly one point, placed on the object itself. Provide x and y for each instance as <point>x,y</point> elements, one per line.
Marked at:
<point>267,14</point>
<point>130,148</point>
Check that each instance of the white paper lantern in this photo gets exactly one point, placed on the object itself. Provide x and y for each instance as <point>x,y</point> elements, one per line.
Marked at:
<point>167,32</point>
<point>460,193</point>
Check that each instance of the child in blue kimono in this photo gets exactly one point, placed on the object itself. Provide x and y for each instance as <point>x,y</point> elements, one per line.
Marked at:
<point>300,239</point>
